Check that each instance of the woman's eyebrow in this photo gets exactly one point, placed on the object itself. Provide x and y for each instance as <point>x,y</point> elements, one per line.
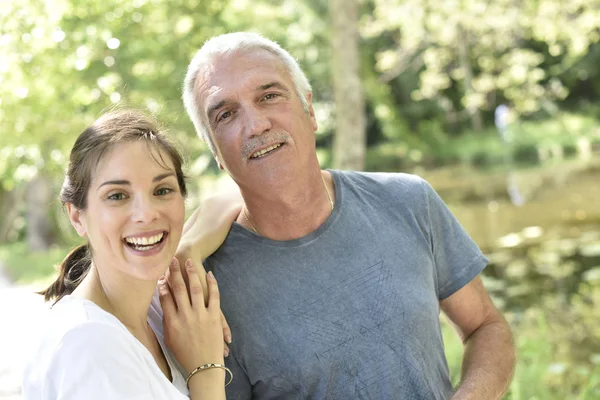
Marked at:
<point>126,182</point>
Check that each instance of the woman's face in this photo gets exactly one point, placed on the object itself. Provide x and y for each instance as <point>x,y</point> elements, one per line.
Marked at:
<point>135,212</point>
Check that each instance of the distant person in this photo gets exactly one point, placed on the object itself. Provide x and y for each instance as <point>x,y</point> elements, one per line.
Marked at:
<point>502,121</point>
<point>124,192</point>
<point>333,281</point>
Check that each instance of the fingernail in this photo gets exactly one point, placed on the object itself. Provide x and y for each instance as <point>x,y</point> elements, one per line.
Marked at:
<point>228,339</point>
<point>188,263</point>
<point>226,353</point>
<point>210,275</point>
<point>173,261</point>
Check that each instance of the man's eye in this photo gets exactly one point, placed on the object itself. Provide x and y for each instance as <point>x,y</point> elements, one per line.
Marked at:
<point>225,115</point>
<point>117,196</point>
<point>270,96</point>
<point>164,191</point>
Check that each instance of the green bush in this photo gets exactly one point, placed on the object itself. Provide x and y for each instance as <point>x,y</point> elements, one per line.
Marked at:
<point>529,143</point>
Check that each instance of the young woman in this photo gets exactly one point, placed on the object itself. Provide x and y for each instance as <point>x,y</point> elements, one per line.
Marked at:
<point>124,192</point>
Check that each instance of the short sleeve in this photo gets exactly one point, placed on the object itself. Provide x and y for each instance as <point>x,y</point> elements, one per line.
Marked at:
<point>96,361</point>
<point>240,387</point>
<point>458,259</point>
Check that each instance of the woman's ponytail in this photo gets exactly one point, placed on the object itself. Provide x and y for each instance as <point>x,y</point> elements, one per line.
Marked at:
<point>72,270</point>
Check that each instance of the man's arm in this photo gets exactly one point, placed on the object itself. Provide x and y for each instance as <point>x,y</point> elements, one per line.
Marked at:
<point>489,353</point>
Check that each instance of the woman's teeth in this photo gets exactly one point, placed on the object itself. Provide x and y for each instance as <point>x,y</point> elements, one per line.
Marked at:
<point>144,243</point>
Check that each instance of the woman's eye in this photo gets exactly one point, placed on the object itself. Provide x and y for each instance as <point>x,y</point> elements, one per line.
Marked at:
<point>117,196</point>
<point>163,191</point>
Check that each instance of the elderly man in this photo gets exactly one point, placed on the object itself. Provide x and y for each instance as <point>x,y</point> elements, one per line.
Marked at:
<point>332,281</point>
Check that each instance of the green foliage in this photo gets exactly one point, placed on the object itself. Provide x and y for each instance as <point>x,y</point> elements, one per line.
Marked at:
<point>65,62</point>
<point>521,52</point>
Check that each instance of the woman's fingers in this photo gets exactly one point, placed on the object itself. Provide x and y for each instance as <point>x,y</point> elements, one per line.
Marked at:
<point>177,285</point>
<point>226,335</point>
<point>196,292</point>
<point>214,301</point>
<point>226,329</point>
<point>166,300</point>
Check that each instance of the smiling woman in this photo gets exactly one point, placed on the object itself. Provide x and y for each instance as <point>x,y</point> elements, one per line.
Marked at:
<point>125,129</point>
<point>124,192</point>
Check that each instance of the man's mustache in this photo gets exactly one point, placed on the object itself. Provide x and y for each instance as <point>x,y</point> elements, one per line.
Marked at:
<point>266,139</point>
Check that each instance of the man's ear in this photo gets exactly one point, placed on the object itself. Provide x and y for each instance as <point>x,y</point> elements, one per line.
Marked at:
<point>311,111</point>
<point>76,220</point>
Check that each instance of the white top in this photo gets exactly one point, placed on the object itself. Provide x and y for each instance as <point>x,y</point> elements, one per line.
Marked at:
<point>87,353</point>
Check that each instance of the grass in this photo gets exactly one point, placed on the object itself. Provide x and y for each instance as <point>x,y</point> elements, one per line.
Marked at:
<point>24,266</point>
<point>538,375</point>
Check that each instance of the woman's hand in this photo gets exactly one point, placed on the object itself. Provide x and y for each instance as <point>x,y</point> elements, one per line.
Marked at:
<point>193,330</point>
<point>204,232</point>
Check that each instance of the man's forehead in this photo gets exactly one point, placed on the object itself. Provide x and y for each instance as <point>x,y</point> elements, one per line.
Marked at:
<point>224,76</point>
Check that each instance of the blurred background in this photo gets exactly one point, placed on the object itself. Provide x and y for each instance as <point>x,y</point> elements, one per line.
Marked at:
<point>495,103</point>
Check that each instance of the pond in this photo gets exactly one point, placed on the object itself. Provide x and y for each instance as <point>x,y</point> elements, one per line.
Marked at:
<point>540,228</point>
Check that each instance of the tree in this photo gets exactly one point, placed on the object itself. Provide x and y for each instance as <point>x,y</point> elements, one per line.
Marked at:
<point>350,136</point>
<point>63,63</point>
<point>471,55</point>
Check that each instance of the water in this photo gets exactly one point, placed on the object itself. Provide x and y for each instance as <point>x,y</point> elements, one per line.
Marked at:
<point>544,254</point>
<point>547,244</point>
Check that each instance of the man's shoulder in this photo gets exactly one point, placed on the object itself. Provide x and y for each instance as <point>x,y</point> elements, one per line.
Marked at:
<point>391,180</point>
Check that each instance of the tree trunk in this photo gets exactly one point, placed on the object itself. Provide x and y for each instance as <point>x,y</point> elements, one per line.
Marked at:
<point>38,201</point>
<point>349,144</point>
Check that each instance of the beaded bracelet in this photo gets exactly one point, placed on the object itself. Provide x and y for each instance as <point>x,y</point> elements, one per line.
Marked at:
<point>209,366</point>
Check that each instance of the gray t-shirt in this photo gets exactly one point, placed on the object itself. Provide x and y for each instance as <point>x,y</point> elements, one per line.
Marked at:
<point>350,311</point>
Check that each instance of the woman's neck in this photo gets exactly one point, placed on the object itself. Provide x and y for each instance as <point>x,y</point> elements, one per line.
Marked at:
<point>125,298</point>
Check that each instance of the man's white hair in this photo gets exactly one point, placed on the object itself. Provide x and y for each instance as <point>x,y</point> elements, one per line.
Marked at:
<point>226,45</point>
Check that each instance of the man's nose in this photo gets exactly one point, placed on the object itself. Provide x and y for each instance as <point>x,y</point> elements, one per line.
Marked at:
<point>257,121</point>
<point>144,210</point>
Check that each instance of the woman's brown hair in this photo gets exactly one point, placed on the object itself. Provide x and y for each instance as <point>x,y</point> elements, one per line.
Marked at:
<point>89,148</point>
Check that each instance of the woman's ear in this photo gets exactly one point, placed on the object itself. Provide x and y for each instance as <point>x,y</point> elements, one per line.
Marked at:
<point>76,220</point>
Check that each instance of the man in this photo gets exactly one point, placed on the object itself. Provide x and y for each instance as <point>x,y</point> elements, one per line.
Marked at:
<point>332,281</point>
